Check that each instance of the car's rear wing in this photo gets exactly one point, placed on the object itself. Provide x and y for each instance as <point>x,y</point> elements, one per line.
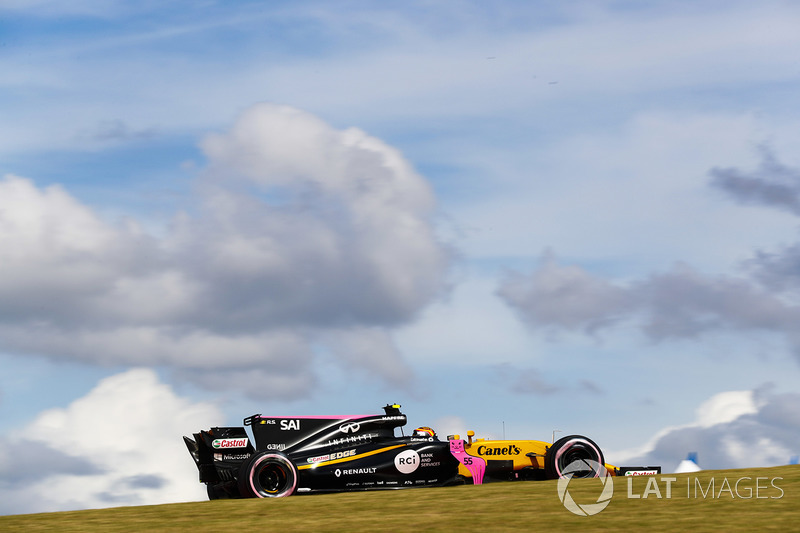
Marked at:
<point>218,452</point>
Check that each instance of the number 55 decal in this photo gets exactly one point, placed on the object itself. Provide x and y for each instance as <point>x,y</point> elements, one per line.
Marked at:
<point>475,465</point>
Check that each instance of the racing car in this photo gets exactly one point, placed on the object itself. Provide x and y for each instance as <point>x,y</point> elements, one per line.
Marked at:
<point>297,455</point>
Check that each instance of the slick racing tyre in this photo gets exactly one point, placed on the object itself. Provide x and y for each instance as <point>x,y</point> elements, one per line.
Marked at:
<point>267,475</point>
<point>569,449</point>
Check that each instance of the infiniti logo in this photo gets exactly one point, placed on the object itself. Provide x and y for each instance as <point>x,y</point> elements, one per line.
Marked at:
<point>351,427</point>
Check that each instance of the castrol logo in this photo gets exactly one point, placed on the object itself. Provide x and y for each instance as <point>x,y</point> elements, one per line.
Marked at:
<point>229,443</point>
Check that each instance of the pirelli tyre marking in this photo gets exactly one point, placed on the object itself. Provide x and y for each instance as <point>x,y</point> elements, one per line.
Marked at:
<point>350,457</point>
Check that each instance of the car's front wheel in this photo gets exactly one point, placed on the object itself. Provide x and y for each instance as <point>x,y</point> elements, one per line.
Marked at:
<point>576,449</point>
<point>267,475</point>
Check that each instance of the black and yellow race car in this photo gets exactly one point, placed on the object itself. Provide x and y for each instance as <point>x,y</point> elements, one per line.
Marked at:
<point>296,455</point>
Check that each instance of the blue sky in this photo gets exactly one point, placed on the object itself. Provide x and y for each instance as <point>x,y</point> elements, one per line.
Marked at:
<point>528,217</point>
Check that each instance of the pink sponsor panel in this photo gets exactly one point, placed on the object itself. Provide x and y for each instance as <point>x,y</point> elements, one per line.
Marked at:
<point>475,465</point>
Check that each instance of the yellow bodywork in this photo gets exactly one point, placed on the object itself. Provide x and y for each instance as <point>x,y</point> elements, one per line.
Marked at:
<point>523,453</point>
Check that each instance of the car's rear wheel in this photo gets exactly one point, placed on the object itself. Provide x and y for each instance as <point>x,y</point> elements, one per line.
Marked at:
<point>573,449</point>
<point>267,475</point>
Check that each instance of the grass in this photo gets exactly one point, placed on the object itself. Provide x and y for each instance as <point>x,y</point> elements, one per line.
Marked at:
<point>522,506</point>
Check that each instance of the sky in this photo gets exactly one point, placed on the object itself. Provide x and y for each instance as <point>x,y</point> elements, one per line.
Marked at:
<point>528,219</point>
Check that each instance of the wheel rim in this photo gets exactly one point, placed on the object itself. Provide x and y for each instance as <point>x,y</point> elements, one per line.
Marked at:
<point>581,452</point>
<point>272,478</point>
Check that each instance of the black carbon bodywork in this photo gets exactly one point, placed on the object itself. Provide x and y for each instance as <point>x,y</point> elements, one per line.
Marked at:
<point>327,454</point>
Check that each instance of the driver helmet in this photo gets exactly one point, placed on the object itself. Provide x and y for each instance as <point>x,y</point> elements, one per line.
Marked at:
<point>424,432</point>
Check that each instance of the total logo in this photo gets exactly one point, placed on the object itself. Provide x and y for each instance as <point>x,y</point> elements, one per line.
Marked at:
<point>406,461</point>
<point>229,443</point>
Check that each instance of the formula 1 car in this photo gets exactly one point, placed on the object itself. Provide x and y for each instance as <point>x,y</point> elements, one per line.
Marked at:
<point>342,453</point>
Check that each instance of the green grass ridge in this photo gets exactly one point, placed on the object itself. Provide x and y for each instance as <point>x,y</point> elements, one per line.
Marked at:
<point>513,506</point>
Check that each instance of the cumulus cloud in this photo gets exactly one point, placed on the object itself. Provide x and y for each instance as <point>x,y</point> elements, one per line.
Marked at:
<point>777,270</point>
<point>302,235</point>
<point>524,380</point>
<point>121,443</point>
<point>680,302</point>
<point>564,296</point>
<point>531,381</point>
<point>733,429</point>
<point>773,184</point>
<point>337,228</point>
<point>369,350</point>
<point>25,461</point>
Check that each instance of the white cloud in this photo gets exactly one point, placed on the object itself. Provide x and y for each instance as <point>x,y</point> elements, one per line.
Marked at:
<point>449,425</point>
<point>120,444</point>
<point>302,234</point>
<point>726,407</point>
<point>364,214</point>
<point>370,350</point>
<point>564,296</point>
<point>680,303</point>
<point>732,429</point>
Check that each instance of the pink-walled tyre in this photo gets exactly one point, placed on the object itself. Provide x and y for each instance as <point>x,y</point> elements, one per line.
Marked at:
<point>267,475</point>
<point>571,449</point>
